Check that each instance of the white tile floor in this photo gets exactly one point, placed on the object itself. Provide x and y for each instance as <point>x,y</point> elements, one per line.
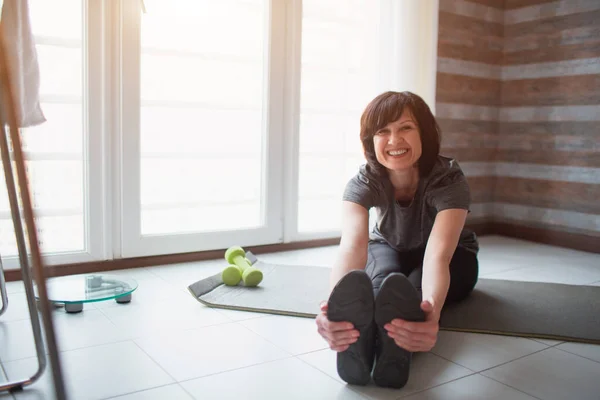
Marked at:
<point>166,345</point>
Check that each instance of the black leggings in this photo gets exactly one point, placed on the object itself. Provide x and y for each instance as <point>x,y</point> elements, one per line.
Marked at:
<point>383,260</point>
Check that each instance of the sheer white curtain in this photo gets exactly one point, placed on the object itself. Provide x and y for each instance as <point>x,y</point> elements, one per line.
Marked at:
<point>412,65</point>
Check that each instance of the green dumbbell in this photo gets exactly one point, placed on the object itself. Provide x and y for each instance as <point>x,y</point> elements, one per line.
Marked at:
<point>236,257</point>
<point>231,275</point>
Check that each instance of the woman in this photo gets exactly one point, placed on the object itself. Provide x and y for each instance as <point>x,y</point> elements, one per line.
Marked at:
<point>389,286</point>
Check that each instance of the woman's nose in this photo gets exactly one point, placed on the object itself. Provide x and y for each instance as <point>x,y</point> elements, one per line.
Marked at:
<point>395,138</point>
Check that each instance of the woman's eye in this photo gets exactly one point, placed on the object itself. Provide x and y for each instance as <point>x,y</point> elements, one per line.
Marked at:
<point>407,128</point>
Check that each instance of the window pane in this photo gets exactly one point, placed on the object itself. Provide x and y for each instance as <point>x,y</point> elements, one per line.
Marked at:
<point>61,133</point>
<point>201,137</point>
<point>57,18</point>
<point>60,70</point>
<point>54,149</point>
<point>58,233</point>
<point>338,78</point>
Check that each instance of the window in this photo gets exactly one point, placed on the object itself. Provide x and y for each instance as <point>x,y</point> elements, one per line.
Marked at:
<point>190,125</point>
<point>202,137</point>
<point>202,107</point>
<point>339,75</point>
<point>54,151</point>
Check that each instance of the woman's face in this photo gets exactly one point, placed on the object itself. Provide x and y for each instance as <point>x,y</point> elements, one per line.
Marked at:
<point>398,144</point>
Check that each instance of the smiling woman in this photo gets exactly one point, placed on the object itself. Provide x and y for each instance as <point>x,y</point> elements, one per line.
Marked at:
<point>417,257</point>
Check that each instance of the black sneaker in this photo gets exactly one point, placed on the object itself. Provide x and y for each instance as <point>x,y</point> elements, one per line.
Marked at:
<point>397,298</point>
<point>352,300</point>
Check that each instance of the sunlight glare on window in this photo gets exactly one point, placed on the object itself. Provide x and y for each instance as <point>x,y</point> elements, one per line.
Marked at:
<point>202,91</point>
<point>338,79</point>
<point>54,149</point>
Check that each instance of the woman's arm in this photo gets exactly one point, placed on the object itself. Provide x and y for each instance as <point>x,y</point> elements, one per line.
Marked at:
<point>438,253</point>
<point>422,336</point>
<point>352,252</point>
<point>352,255</point>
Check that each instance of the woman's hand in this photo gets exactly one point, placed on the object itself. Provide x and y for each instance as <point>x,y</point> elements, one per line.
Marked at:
<point>416,336</point>
<point>339,335</point>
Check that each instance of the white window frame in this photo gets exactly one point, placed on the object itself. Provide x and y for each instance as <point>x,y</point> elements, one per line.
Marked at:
<point>133,244</point>
<point>95,138</point>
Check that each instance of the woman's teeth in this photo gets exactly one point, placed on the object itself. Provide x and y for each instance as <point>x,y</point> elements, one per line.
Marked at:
<point>397,152</point>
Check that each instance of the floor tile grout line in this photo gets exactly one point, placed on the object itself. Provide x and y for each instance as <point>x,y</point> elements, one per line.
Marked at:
<point>186,391</point>
<point>229,321</point>
<point>578,355</point>
<point>312,352</point>
<point>512,387</point>
<point>435,386</point>
<point>362,395</point>
<point>219,310</point>
<point>415,392</point>
<point>154,361</point>
<point>3,371</point>
<point>288,354</point>
<point>270,342</point>
<point>71,350</point>
<point>504,383</point>
<point>545,344</point>
<point>452,362</point>
<point>234,369</point>
<point>107,317</point>
<point>450,381</point>
<point>504,363</point>
<point>516,359</point>
<point>138,391</point>
<point>479,372</point>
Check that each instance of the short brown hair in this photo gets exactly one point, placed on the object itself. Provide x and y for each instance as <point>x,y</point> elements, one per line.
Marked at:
<point>388,107</point>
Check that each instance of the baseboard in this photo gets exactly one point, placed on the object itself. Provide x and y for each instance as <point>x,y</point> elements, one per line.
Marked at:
<point>481,228</point>
<point>150,261</point>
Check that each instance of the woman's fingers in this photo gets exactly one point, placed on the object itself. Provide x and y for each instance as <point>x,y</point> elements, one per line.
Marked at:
<point>337,326</point>
<point>424,344</point>
<point>340,348</point>
<point>343,342</point>
<point>414,327</point>
<point>339,335</point>
<point>410,346</point>
<point>417,338</point>
<point>337,341</point>
<point>423,336</point>
<point>409,341</point>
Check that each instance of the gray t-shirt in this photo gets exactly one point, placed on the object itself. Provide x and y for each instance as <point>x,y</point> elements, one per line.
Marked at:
<point>407,227</point>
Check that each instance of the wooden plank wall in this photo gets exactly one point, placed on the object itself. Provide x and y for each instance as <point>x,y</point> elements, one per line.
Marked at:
<point>518,99</point>
<point>468,92</point>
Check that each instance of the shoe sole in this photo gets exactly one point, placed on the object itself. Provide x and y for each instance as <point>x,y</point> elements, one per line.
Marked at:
<point>397,298</point>
<point>352,301</point>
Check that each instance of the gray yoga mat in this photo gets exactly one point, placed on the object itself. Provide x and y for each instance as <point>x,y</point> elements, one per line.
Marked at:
<point>529,309</point>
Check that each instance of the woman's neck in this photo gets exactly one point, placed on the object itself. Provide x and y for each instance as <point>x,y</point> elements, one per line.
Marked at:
<point>404,180</point>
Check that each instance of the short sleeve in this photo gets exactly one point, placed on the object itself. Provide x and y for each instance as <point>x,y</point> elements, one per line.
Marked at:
<point>450,191</point>
<point>359,190</point>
